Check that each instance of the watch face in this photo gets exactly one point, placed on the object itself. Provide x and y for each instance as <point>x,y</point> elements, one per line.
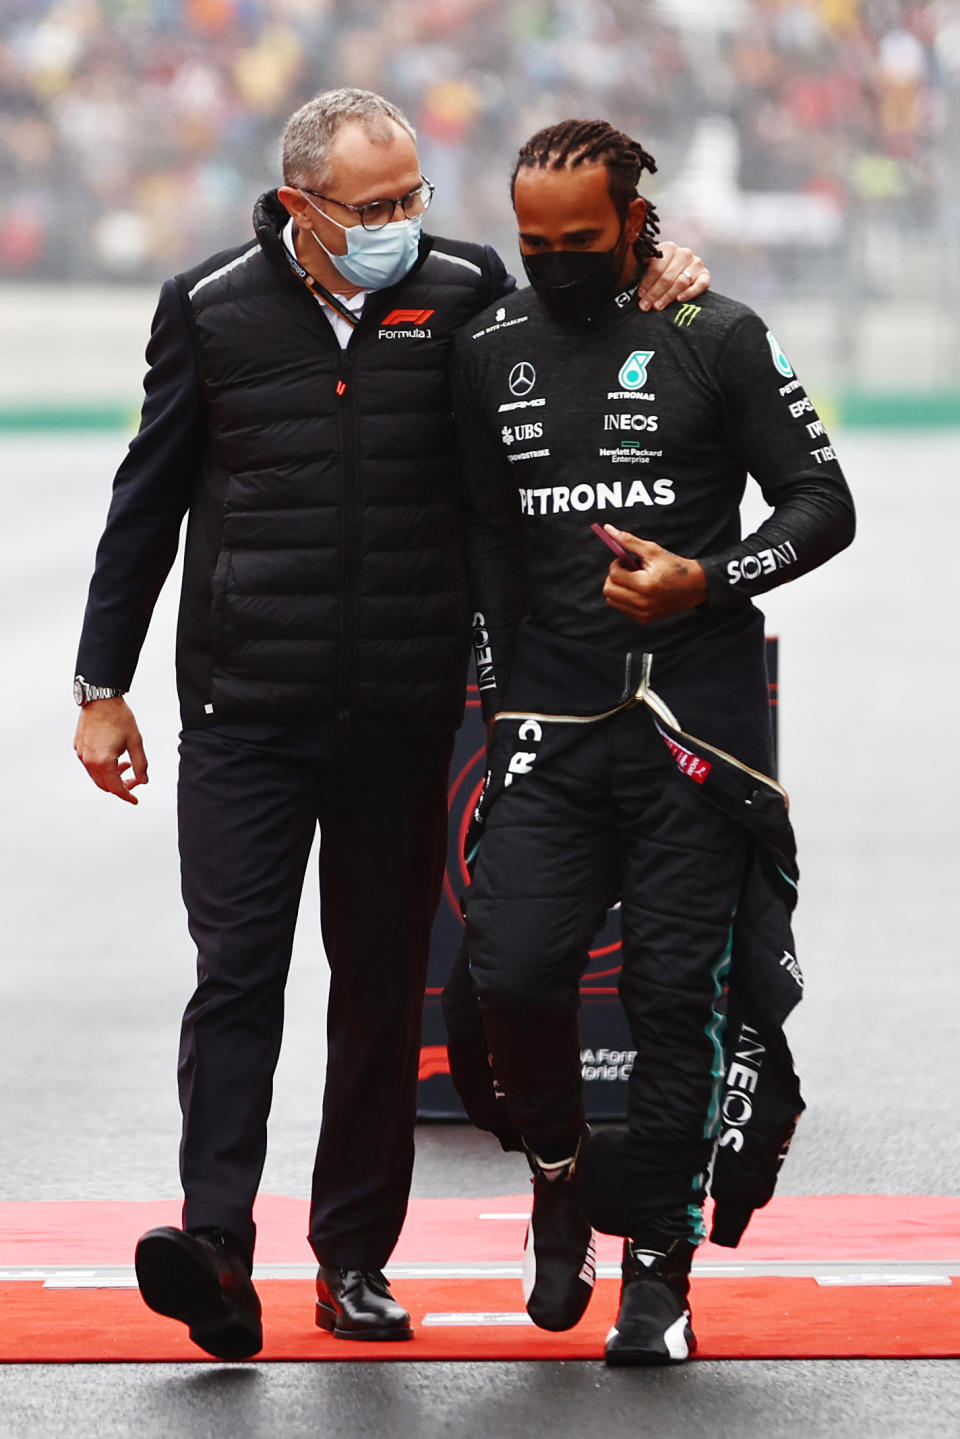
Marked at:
<point>78,690</point>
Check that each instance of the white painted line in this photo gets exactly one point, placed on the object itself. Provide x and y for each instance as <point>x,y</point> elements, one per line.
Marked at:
<point>90,1281</point>
<point>887,1278</point>
<point>473,1321</point>
<point>827,1272</point>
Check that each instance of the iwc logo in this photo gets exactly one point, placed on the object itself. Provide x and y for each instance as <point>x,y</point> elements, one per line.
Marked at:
<point>522,378</point>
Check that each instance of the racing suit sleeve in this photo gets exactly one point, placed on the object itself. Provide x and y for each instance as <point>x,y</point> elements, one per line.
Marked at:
<point>776,432</point>
<point>495,546</point>
<point>151,493</point>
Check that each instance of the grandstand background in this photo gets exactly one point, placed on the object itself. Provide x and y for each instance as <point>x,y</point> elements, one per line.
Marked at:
<point>809,149</point>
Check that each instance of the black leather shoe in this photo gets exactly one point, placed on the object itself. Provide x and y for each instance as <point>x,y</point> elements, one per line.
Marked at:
<point>357,1304</point>
<point>203,1279</point>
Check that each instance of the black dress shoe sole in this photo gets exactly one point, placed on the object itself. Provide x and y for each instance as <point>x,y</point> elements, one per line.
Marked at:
<point>176,1283</point>
<point>327,1318</point>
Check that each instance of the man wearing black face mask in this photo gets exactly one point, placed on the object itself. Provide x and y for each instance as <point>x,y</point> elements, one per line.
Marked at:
<point>630,748</point>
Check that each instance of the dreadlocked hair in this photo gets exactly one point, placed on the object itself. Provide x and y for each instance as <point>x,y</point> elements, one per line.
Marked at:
<point>580,142</point>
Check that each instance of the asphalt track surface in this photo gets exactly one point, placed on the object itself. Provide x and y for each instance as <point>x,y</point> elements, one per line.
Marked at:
<point>97,967</point>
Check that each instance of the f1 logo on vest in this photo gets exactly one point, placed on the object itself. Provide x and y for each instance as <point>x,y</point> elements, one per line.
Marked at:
<point>408,317</point>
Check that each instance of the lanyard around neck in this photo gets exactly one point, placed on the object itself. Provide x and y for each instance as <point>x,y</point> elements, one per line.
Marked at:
<point>315,288</point>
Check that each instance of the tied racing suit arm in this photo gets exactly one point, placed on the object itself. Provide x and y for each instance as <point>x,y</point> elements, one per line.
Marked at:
<point>494,541</point>
<point>499,281</point>
<point>151,494</point>
<point>775,430</point>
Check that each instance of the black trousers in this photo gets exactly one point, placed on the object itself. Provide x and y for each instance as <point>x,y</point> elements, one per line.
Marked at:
<point>598,812</point>
<point>250,798</point>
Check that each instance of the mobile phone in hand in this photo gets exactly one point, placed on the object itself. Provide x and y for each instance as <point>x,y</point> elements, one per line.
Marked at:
<point>632,562</point>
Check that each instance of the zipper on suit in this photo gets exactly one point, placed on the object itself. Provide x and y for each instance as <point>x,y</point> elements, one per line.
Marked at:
<point>348,609</point>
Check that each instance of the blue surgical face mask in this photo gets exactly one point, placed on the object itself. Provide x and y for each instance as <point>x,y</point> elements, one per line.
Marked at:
<point>374,258</point>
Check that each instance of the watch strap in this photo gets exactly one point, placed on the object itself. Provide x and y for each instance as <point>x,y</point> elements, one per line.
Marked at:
<point>85,693</point>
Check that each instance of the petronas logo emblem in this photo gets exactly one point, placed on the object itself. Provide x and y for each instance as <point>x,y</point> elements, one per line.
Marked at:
<point>633,371</point>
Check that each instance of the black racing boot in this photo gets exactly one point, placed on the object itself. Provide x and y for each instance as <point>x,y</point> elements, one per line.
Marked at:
<point>202,1278</point>
<point>559,1255</point>
<point>653,1325</point>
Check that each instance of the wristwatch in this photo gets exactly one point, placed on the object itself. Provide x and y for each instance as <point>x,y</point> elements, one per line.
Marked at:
<point>84,692</point>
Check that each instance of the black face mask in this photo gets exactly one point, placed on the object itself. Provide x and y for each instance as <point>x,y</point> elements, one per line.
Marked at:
<point>575,284</point>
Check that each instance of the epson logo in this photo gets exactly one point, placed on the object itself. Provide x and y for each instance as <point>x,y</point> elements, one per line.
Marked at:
<point>631,422</point>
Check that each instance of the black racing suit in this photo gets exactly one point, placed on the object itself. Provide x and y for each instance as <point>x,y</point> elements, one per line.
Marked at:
<point>650,421</point>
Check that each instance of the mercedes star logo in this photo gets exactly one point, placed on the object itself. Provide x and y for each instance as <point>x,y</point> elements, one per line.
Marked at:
<point>522,379</point>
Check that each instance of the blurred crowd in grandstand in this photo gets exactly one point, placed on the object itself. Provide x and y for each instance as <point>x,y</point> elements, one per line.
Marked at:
<point>135,134</point>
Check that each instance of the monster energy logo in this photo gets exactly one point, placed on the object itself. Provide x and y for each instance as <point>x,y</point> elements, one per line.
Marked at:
<point>686,315</point>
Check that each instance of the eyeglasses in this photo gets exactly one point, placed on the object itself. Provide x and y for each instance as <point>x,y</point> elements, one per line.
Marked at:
<point>377,213</point>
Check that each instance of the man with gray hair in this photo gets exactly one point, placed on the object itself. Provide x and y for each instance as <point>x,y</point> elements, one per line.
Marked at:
<point>297,412</point>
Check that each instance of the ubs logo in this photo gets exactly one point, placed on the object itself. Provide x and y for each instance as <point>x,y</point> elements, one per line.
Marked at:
<point>522,378</point>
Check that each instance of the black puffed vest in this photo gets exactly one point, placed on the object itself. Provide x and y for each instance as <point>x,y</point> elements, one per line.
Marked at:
<point>323,573</point>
